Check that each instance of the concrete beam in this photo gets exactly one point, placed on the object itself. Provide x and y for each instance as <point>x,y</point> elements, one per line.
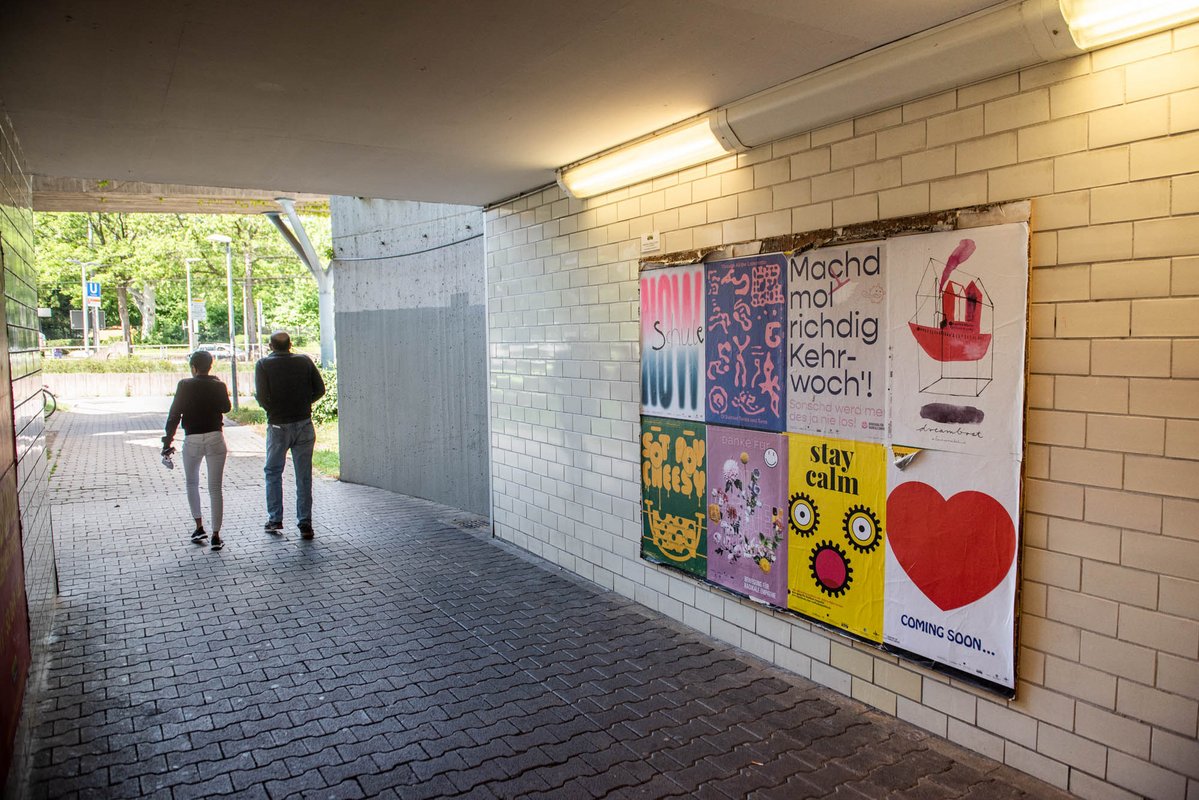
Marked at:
<point>84,194</point>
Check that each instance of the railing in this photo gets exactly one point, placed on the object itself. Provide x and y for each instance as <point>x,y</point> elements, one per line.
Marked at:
<point>165,352</point>
<point>72,385</point>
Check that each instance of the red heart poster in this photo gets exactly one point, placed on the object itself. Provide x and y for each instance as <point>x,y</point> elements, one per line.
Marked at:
<point>952,541</point>
<point>957,550</point>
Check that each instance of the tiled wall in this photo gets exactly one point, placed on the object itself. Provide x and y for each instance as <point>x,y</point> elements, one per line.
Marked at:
<point>1107,145</point>
<point>23,461</point>
<point>25,363</point>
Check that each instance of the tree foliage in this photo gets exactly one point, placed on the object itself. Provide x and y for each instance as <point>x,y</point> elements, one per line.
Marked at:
<point>142,256</point>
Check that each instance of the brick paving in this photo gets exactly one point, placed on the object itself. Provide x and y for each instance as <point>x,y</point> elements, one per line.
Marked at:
<point>403,654</point>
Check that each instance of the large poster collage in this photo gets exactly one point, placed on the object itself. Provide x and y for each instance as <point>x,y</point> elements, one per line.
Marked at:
<point>839,432</point>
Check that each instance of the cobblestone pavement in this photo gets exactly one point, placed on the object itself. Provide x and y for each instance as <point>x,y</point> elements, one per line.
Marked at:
<point>401,654</point>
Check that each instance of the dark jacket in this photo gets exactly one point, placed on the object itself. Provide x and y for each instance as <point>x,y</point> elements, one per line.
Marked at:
<point>200,403</point>
<point>287,384</point>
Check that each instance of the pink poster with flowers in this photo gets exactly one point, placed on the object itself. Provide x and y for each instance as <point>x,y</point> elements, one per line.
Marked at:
<point>747,515</point>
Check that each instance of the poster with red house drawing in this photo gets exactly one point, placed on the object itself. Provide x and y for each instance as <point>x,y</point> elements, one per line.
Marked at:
<point>747,512</point>
<point>952,538</point>
<point>957,305</point>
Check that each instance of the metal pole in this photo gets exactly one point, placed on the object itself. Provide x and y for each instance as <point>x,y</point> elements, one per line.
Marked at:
<point>83,297</point>
<point>247,308</point>
<point>191,323</point>
<point>232,326</point>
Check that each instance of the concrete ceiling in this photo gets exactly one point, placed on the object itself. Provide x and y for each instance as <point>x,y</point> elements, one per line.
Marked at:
<point>460,101</point>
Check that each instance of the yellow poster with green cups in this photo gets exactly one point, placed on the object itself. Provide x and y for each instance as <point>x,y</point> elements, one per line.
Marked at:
<point>673,486</point>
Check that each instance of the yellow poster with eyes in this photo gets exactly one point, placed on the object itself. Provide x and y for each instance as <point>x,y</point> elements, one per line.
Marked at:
<point>837,502</point>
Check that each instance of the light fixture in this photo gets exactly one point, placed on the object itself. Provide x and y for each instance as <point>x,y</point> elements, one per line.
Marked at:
<point>983,45</point>
<point>674,149</point>
<point>1096,23</point>
<point>996,41</point>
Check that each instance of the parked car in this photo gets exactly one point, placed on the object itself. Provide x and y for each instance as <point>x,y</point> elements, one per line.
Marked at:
<point>221,351</point>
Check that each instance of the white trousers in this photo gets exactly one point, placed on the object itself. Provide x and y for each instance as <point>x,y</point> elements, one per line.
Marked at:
<point>211,448</point>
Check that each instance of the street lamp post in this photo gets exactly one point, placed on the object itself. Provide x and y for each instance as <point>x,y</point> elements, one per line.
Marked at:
<point>225,240</point>
<point>191,323</point>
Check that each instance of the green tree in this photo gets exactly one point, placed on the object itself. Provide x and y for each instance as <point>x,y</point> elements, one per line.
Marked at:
<point>140,260</point>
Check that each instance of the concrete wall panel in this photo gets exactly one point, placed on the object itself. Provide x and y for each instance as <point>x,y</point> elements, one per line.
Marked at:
<point>411,349</point>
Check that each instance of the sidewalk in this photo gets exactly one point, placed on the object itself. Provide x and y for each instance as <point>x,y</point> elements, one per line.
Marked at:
<point>402,653</point>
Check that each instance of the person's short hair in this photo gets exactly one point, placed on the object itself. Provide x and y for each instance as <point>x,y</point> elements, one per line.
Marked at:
<point>280,341</point>
<point>201,361</point>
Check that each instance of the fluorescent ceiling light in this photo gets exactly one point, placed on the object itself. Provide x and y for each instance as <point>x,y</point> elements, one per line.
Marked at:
<point>996,41</point>
<point>1095,23</point>
<point>638,161</point>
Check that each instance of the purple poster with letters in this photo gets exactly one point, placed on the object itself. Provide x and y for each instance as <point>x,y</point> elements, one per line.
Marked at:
<point>747,513</point>
<point>746,373</point>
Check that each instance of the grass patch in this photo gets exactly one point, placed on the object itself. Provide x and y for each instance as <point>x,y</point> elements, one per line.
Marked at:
<point>327,463</point>
<point>326,458</point>
<point>248,413</point>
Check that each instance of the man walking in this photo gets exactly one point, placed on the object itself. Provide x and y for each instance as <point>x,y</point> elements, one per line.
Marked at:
<point>287,384</point>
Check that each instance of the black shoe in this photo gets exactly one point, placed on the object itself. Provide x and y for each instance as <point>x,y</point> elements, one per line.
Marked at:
<point>306,531</point>
<point>217,542</point>
<point>200,535</point>
<point>273,526</point>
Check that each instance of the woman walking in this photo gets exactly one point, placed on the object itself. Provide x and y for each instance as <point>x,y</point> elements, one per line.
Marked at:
<point>201,402</point>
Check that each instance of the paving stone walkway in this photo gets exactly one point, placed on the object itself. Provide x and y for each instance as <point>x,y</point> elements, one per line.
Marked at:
<point>403,654</point>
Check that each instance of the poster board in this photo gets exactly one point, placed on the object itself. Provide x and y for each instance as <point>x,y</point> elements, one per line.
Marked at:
<point>837,519</point>
<point>958,308</point>
<point>884,378</point>
<point>672,344</point>
<point>673,487</point>
<point>952,539</point>
<point>747,512</point>
<point>746,313</point>
<point>837,341</point>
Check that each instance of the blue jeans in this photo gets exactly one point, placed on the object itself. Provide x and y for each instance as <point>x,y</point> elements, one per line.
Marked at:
<point>299,438</point>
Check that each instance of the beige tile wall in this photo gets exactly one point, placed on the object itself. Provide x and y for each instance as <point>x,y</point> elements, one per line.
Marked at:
<point>1107,145</point>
